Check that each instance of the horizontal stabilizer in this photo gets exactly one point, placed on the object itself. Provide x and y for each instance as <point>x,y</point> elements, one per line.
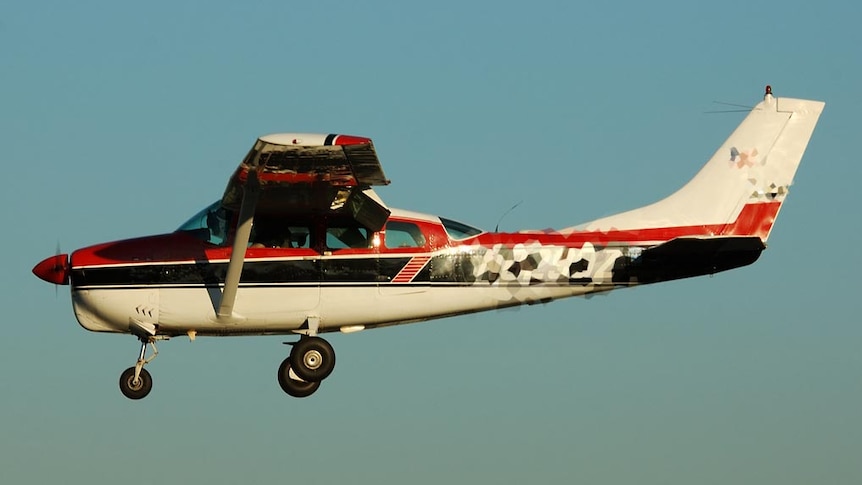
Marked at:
<point>688,256</point>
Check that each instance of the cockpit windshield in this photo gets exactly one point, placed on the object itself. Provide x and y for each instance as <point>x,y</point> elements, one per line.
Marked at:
<point>459,230</point>
<point>209,224</point>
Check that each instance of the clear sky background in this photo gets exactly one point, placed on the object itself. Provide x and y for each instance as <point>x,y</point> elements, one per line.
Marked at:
<point>121,119</point>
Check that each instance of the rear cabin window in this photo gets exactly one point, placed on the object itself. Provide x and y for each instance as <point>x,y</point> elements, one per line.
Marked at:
<point>403,235</point>
<point>459,230</point>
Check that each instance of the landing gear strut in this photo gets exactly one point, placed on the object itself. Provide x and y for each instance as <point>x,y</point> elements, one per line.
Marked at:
<point>311,360</point>
<point>136,382</point>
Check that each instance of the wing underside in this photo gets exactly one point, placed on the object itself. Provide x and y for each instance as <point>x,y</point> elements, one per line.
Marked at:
<point>296,175</point>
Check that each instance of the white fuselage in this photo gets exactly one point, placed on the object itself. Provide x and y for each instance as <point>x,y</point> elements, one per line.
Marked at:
<point>286,307</point>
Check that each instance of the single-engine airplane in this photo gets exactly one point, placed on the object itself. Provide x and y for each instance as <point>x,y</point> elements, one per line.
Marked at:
<point>299,244</point>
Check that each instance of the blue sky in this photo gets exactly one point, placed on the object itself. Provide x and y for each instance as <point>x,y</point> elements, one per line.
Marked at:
<point>123,120</point>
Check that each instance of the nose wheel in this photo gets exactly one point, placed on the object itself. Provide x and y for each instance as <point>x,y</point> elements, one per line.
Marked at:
<point>136,382</point>
<point>135,388</point>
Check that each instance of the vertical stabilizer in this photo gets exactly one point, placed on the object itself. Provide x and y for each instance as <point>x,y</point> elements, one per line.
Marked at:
<point>740,189</point>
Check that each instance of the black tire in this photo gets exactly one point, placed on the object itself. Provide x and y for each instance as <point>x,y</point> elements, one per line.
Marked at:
<point>312,359</point>
<point>132,389</point>
<point>292,386</point>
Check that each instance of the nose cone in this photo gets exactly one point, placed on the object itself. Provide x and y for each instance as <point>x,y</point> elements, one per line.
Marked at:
<point>54,269</point>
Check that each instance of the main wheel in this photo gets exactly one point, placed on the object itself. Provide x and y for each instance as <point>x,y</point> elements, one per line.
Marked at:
<point>291,384</point>
<point>132,389</point>
<point>312,359</point>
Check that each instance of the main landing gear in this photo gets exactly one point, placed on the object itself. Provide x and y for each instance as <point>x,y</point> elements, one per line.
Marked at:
<point>136,382</point>
<point>311,360</point>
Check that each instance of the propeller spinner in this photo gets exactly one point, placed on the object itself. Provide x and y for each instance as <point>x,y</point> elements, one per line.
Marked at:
<point>54,269</point>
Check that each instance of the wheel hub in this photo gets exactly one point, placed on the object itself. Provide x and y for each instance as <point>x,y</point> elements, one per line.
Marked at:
<point>312,359</point>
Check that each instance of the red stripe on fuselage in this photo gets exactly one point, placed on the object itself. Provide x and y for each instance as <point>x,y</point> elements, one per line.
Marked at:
<point>411,269</point>
<point>753,220</point>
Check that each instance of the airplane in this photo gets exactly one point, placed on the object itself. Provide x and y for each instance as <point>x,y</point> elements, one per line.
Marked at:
<point>300,244</point>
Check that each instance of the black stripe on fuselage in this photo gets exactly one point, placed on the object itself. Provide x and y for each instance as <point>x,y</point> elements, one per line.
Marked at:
<point>310,272</point>
<point>680,258</point>
<point>440,270</point>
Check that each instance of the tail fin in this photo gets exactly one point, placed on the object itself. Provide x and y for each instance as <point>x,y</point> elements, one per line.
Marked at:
<point>740,189</point>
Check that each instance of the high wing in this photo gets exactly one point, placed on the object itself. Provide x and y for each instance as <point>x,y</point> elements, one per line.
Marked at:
<point>311,174</point>
<point>301,173</point>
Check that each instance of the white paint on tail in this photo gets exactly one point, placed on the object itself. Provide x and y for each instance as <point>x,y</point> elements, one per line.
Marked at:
<point>756,164</point>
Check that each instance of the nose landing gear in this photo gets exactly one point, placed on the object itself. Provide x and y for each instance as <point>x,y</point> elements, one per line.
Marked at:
<point>136,382</point>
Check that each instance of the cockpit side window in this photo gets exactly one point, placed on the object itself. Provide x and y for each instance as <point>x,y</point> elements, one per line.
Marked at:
<point>276,232</point>
<point>345,236</point>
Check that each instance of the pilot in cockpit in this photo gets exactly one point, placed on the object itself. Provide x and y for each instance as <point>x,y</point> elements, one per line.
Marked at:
<point>271,235</point>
